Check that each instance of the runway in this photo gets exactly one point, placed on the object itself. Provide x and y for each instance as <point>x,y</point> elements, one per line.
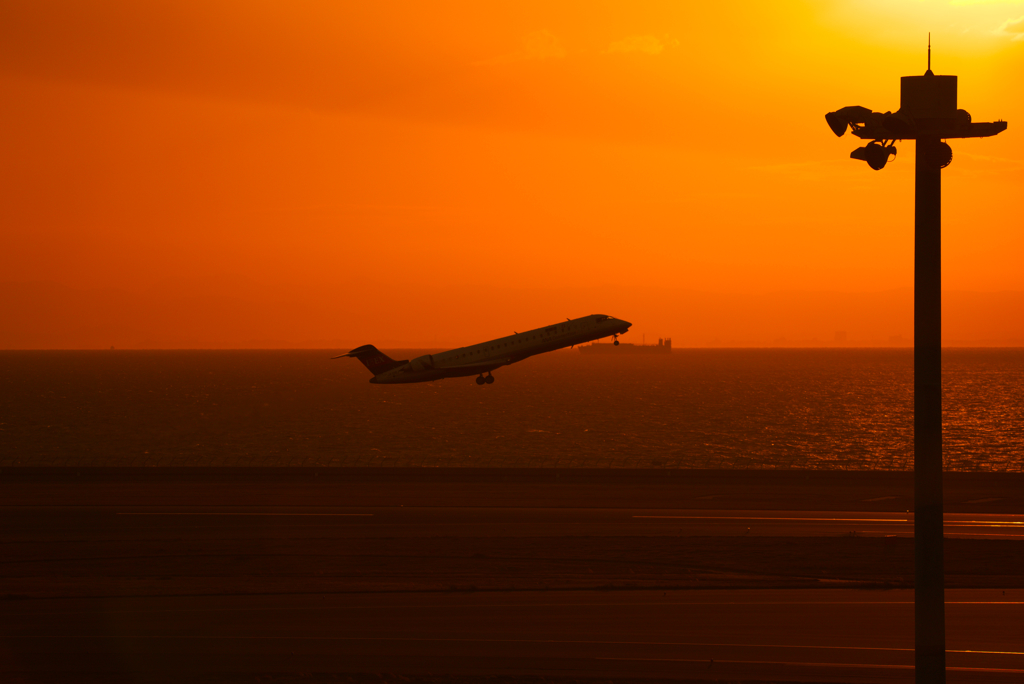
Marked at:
<point>810,635</point>
<point>231,580</point>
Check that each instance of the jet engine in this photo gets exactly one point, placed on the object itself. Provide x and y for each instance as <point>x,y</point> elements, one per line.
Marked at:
<point>421,363</point>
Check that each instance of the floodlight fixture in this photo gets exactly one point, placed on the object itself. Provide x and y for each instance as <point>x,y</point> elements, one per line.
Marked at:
<point>938,155</point>
<point>875,154</point>
<point>841,119</point>
<point>928,114</point>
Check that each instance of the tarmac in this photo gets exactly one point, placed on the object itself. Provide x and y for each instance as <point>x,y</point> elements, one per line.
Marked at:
<point>458,575</point>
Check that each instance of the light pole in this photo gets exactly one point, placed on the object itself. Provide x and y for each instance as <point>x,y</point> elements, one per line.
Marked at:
<point>928,114</point>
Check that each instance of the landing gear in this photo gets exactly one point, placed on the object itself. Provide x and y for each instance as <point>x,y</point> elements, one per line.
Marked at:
<point>489,379</point>
<point>616,342</point>
<point>480,380</point>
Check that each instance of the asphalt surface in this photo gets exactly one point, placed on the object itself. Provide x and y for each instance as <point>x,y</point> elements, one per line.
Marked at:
<point>368,522</point>
<point>499,522</point>
<point>134,579</point>
<point>822,635</point>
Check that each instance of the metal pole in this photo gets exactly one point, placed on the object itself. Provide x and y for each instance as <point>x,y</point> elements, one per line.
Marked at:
<point>929,589</point>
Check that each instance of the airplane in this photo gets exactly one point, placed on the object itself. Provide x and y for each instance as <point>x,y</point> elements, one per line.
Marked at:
<point>487,356</point>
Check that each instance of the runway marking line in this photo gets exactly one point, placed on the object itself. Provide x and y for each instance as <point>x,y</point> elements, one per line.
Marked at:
<point>782,662</point>
<point>495,641</point>
<point>948,523</point>
<point>728,517</point>
<point>337,515</point>
<point>462,606</point>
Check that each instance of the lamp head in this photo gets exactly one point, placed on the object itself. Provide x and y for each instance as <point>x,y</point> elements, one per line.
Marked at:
<point>841,119</point>
<point>837,123</point>
<point>875,154</point>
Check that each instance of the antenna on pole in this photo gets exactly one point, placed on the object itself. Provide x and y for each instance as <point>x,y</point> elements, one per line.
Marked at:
<point>929,52</point>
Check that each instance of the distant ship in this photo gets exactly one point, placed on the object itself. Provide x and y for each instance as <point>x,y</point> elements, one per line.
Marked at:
<point>663,347</point>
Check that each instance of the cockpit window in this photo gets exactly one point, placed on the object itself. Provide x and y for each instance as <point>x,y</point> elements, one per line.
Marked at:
<point>602,319</point>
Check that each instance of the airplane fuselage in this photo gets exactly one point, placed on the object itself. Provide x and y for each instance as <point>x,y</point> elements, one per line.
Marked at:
<point>486,356</point>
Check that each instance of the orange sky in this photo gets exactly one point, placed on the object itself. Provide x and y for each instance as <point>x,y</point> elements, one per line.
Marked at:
<point>223,174</point>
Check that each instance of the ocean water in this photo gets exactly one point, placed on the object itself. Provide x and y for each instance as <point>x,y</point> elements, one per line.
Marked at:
<point>697,408</point>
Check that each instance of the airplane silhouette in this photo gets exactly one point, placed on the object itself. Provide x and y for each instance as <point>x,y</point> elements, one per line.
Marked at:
<point>487,356</point>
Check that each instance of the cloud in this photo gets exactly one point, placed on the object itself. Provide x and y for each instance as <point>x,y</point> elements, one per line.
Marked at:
<point>1013,27</point>
<point>539,45</point>
<point>647,44</point>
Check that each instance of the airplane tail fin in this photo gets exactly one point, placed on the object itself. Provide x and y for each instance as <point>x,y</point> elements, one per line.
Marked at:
<point>375,360</point>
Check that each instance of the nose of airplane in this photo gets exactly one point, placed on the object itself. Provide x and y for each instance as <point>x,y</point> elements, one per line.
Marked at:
<point>625,324</point>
